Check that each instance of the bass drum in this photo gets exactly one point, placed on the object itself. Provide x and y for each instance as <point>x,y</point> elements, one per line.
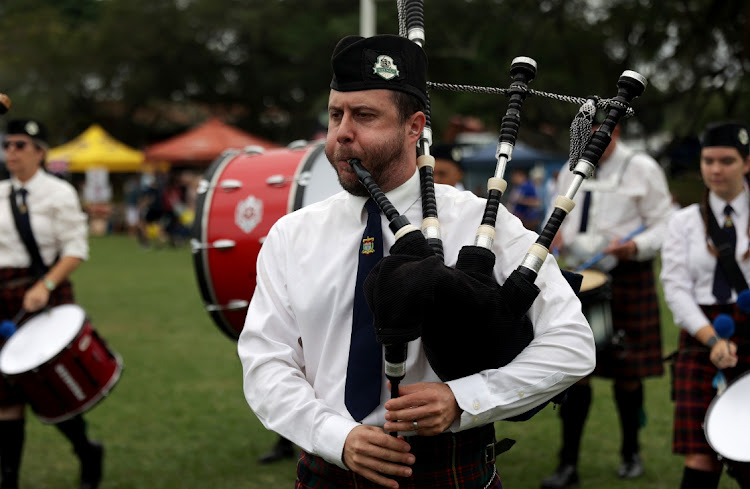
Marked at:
<point>241,195</point>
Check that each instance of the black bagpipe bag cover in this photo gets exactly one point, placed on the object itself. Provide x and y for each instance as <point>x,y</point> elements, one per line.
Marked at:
<point>467,321</point>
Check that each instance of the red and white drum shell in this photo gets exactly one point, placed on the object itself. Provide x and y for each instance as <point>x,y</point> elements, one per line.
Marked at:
<point>727,422</point>
<point>62,365</point>
<point>242,194</point>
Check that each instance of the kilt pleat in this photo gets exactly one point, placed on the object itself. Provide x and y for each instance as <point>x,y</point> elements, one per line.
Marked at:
<point>635,312</point>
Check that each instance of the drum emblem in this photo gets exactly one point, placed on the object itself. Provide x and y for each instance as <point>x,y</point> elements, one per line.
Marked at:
<point>248,213</point>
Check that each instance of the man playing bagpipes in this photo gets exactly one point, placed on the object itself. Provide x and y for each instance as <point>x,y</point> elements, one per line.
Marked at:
<point>312,366</point>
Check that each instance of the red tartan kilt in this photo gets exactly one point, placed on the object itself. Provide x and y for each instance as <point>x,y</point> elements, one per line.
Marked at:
<point>11,300</point>
<point>692,382</point>
<point>635,311</point>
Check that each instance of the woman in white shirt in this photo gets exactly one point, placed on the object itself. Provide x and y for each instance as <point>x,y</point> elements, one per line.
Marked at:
<point>696,291</point>
<point>48,216</point>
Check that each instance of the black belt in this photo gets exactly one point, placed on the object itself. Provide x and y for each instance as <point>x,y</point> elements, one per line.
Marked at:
<point>481,438</point>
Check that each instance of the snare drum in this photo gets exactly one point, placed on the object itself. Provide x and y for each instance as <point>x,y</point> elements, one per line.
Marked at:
<point>727,422</point>
<point>241,196</point>
<point>595,295</point>
<point>62,365</point>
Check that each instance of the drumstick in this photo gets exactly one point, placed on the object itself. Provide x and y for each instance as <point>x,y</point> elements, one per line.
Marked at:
<point>596,258</point>
<point>724,326</point>
<point>743,301</point>
<point>9,326</point>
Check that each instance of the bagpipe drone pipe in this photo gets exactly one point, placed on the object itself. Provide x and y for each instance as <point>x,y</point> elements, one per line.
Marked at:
<point>466,320</point>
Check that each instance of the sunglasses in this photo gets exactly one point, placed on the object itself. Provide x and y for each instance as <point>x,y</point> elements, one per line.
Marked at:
<point>19,145</point>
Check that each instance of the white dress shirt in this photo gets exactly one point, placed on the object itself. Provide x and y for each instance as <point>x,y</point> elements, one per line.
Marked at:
<point>58,224</point>
<point>629,190</point>
<point>295,343</point>
<point>687,272</point>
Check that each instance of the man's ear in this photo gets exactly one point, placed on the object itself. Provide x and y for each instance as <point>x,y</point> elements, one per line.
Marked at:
<point>416,124</point>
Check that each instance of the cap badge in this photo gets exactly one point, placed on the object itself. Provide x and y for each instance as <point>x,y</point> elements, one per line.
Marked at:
<point>31,128</point>
<point>742,136</point>
<point>385,67</point>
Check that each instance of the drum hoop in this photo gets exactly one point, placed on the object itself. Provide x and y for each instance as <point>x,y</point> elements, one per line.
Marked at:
<point>200,232</point>
<point>54,358</point>
<point>297,192</point>
<point>714,402</point>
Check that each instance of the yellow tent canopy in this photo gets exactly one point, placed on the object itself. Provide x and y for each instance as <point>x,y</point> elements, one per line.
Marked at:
<point>94,148</point>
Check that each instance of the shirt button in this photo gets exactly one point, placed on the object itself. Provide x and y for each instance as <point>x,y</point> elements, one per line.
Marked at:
<point>475,405</point>
<point>521,394</point>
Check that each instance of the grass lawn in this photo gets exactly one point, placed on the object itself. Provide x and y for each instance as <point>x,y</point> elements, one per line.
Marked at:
<point>178,418</point>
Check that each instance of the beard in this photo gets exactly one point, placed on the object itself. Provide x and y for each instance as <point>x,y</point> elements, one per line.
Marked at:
<point>377,160</point>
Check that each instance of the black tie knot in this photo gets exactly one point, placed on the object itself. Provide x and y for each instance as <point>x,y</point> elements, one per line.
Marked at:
<point>728,223</point>
<point>372,207</point>
<point>23,193</point>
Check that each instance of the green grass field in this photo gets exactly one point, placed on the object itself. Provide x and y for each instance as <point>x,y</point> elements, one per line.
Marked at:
<point>178,418</point>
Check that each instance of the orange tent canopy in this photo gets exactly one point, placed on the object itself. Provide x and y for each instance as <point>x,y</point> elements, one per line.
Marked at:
<point>204,143</point>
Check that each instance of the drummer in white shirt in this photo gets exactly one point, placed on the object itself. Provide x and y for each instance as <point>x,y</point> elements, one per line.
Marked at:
<point>45,210</point>
<point>697,290</point>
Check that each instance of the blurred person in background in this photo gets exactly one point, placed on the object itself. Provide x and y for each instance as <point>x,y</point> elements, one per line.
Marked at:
<point>448,168</point>
<point>697,289</point>
<point>628,192</point>
<point>523,199</point>
<point>44,211</point>
<point>132,191</point>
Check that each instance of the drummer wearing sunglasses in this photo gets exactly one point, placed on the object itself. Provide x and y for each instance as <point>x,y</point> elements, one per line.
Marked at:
<point>43,239</point>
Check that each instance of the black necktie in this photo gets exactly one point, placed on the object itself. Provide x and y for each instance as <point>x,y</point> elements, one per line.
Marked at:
<point>23,209</point>
<point>364,372</point>
<point>722,291</point>
<point>585,211</point>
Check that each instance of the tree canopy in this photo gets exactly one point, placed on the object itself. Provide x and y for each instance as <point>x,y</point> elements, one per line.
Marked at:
<point>146,69</point>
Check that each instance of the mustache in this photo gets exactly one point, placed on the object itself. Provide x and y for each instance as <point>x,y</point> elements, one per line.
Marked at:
<point>340,155</point>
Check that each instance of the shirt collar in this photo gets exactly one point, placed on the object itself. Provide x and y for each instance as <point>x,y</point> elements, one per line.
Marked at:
<point>402,197</point>
<point>739,204</point>
<point>32,183</point>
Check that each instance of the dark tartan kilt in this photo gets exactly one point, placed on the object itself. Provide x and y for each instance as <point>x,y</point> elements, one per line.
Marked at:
<point>11,300</point>
<point>446,461</point>
<point>693,378</point>
<point>635,311</point>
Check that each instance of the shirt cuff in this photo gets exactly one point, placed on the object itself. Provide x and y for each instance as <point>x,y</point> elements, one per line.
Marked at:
<point>472,396</point>
<point>330,439</point>
<point>643,251</point>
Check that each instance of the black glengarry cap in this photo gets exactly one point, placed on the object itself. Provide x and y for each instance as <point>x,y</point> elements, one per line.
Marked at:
<point>380,62</point>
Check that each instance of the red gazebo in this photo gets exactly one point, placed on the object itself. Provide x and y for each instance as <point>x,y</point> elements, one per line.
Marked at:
<point>202,144</point>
